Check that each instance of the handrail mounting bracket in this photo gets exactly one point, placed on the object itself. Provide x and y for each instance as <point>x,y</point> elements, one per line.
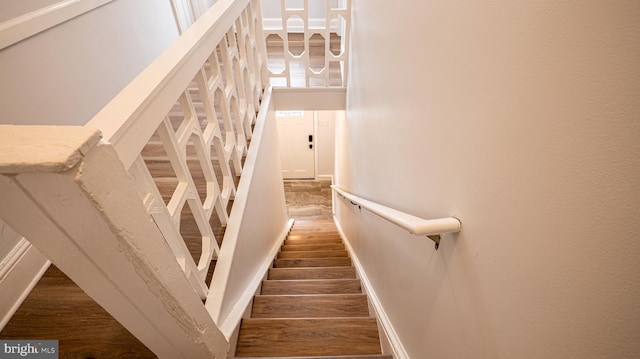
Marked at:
<point>436,239</point>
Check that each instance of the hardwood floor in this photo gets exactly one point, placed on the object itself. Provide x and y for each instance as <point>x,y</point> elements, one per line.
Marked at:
<point>58,309</point>
<point>310,309</point>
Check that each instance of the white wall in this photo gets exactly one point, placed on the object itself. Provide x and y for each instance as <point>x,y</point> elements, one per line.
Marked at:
<point>325,142</point>
<point>272,14</point>
<point>15,8</point>
<point>271,8</point>
<point>521,118</point>
<point>67,73</point>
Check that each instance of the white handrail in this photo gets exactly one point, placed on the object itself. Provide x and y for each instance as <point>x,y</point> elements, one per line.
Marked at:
<point>432,228</point>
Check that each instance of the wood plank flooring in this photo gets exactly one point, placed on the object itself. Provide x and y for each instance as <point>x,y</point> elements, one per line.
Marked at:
<point>58,309</point>
<point>311,309</point>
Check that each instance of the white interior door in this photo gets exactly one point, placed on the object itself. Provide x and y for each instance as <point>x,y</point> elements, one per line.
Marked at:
<point>297,144</point>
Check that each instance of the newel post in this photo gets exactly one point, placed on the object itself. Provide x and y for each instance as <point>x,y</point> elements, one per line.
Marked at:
<point>70,196</point>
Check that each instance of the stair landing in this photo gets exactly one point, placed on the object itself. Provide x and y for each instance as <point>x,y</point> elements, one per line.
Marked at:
<point>312,304</point>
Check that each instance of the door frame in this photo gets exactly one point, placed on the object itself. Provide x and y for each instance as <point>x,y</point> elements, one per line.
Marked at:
<point>314,129</point>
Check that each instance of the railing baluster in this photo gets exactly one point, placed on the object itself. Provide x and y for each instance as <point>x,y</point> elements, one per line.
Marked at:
<point>214,142</point>
<point>177,157</point>
<point>262,72</point>
<point>336,21</point>
<point>161,216</point>
<point>228,50</point>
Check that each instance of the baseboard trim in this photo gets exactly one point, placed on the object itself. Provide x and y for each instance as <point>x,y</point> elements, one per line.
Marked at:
<point>20,271</point>
<point>397,348</point>
<point>325,177</point>
<point>24,26</point>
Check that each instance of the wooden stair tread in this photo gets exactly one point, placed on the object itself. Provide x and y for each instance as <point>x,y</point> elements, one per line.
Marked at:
<point>310,306</point>
<point>314,254</point>
<point>314,229</point>
<point>308,337</point>
<point>312,273</point>
<point>312,262</point>
<point>316,223</point>
<point>299,241</point>
<point>317,286</point>
<point>312,234</point>
<point>310,222</point>
<point>312,247</point>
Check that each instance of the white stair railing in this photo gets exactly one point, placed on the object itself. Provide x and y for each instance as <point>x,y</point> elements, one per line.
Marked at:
<point>88,197</point>
<point>195,103</point>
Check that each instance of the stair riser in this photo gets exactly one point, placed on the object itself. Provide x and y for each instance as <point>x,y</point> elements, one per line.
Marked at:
<point>311,262</point>
<point>312,247</point>
<point>308,337</point>
<point>312,232</point>
<point>312,273</point>
<point>293,287</point>
<point>312,241</point>
<point>313,254</point>
<point>310,306</point>
<point>303,239</point>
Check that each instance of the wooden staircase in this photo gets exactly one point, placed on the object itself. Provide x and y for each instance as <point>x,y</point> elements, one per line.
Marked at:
<point>311,305</point>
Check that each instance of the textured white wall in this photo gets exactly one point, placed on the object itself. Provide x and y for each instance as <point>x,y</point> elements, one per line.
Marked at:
<point>69,72</point>
<point>522,118</point>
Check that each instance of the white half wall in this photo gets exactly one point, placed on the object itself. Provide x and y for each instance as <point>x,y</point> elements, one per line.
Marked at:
<point>67,73</point>
<point>520,118</point>
<point>258,224</point>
